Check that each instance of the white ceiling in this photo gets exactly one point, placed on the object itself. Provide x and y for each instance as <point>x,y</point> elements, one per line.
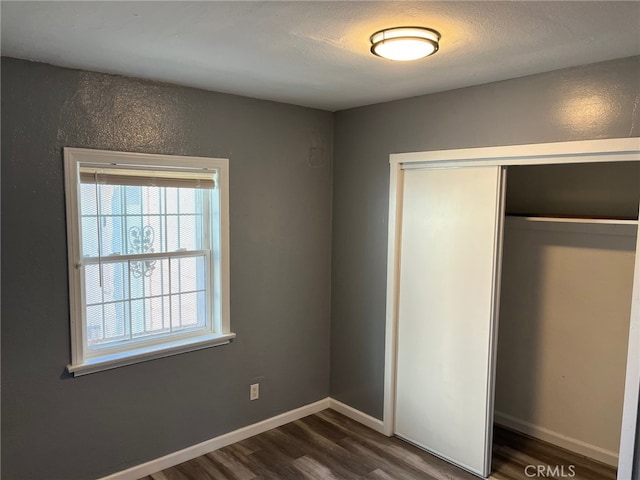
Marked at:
<point>317,53</point>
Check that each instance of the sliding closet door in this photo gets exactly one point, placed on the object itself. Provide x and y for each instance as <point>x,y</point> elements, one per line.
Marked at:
<point>449,269</point>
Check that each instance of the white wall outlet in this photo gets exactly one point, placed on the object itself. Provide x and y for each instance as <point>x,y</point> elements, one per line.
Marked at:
<point>254,391</point>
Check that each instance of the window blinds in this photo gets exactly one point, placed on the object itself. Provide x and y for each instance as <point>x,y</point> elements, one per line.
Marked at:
<point>148,177</point>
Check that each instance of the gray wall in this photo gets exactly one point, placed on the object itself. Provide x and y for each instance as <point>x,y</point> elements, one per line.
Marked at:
<point>563,332</point>
<point>577,189</point>
<point>57,427</point>
<point>589,102</point>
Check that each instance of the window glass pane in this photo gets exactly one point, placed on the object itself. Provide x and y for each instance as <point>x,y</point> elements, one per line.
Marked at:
<point>190,234</point>
<point>89,236</point>
<point>186,311</point>
<point>138,220</point>
<point>187,199</point>
<point>149,278</point>
<point>157,319</point>
<point>152,297</point>
<point>107,323</point>
<point>152,316</point>
<point>188,288</point>
<point>156,231</point>
<point>107,314</point>
<point>92,288</point>
<point>132,200</point>
<point>88,199</point>
<point>108,223</point>
<point>138,238</point>
<point>171,201</point>
<point>109,211</point>
<point>172,233</point>
<point>188,274</point>
<point>137,316</point>
<point>94,324</point>
<point>152,200</point>
<point>202,307</point>
<point>114,283</point>
<point>115,321</point>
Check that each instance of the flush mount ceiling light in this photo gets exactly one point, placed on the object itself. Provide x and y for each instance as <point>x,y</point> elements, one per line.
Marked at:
<point>405,43</point>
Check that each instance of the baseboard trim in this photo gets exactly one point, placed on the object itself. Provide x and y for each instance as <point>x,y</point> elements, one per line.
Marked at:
<point>189,453</point>
<point>357,415</point>
<point>569,443</point>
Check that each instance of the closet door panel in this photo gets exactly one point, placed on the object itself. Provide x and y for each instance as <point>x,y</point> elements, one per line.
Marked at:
<point>451,225</point>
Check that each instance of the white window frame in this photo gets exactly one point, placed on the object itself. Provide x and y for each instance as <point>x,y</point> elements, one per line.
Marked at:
<point>84,361</point>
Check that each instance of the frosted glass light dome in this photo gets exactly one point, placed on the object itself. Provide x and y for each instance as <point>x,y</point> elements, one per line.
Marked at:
<point>405,43</point>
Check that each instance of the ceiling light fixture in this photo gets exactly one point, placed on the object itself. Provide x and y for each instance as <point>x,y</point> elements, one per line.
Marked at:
<point>405,43</point>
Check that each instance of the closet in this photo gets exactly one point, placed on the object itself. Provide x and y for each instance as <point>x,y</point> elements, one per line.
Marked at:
<point>511,271</point>
<point>567,277</point>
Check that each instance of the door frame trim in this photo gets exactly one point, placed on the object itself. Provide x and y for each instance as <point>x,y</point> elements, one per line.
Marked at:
<point>585,151</point>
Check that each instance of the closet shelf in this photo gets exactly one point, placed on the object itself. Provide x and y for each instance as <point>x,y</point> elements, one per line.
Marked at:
<point>595,221</point>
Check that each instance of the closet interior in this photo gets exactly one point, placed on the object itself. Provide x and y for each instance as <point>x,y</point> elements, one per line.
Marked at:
<point>567,272</point>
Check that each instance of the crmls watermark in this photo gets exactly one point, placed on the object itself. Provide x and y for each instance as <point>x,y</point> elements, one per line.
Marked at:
<point>549,471</point>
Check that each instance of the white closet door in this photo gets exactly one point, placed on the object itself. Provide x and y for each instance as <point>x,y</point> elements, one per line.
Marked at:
<point>449,269</point>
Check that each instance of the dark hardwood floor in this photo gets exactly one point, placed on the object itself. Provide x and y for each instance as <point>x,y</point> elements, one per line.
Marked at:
<point>330,446</point>
<point>513,452</point>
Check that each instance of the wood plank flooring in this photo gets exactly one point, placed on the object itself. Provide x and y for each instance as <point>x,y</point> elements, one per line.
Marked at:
<point>330,446</point>
<point>512,452</point>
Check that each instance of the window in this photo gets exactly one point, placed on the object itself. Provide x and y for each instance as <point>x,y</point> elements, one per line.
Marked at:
<point>148,256</point>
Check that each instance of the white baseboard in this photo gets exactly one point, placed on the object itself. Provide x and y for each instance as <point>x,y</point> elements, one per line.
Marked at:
<point>207,446</point>
<point>356,415</point>
<point>577,446</point>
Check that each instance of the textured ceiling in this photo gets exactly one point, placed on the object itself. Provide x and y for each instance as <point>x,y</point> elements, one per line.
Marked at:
<point>317,53</point>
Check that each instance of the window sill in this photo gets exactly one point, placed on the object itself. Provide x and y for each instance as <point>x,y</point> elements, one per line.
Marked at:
<point>107,362</point>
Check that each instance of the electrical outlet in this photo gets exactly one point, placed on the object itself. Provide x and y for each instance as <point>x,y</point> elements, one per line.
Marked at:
<point>254,391</point>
